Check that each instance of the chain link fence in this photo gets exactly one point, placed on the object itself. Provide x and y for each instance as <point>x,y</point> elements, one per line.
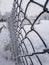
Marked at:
<point>24,47</point>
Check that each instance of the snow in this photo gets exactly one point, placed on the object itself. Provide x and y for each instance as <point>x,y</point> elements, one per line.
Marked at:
<point>4,40</point>
<point>5,62</point>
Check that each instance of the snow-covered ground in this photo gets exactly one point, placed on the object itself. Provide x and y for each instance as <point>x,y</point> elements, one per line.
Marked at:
<point>4,40</point>
<point>3,61</point>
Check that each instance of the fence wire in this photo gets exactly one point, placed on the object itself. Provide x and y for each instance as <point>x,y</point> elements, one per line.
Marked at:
<point>21,40</point>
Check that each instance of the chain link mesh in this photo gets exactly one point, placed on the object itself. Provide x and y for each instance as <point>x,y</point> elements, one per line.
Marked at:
<point>22,41</point>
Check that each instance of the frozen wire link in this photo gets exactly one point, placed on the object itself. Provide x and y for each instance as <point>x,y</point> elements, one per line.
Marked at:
<point>43,52</point>
<point>17,36</point>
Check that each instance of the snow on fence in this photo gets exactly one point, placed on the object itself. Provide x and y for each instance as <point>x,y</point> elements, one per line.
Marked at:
<point>29,47</point>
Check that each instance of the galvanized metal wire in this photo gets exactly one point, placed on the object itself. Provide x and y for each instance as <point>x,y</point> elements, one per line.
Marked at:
<point>16,25</point>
